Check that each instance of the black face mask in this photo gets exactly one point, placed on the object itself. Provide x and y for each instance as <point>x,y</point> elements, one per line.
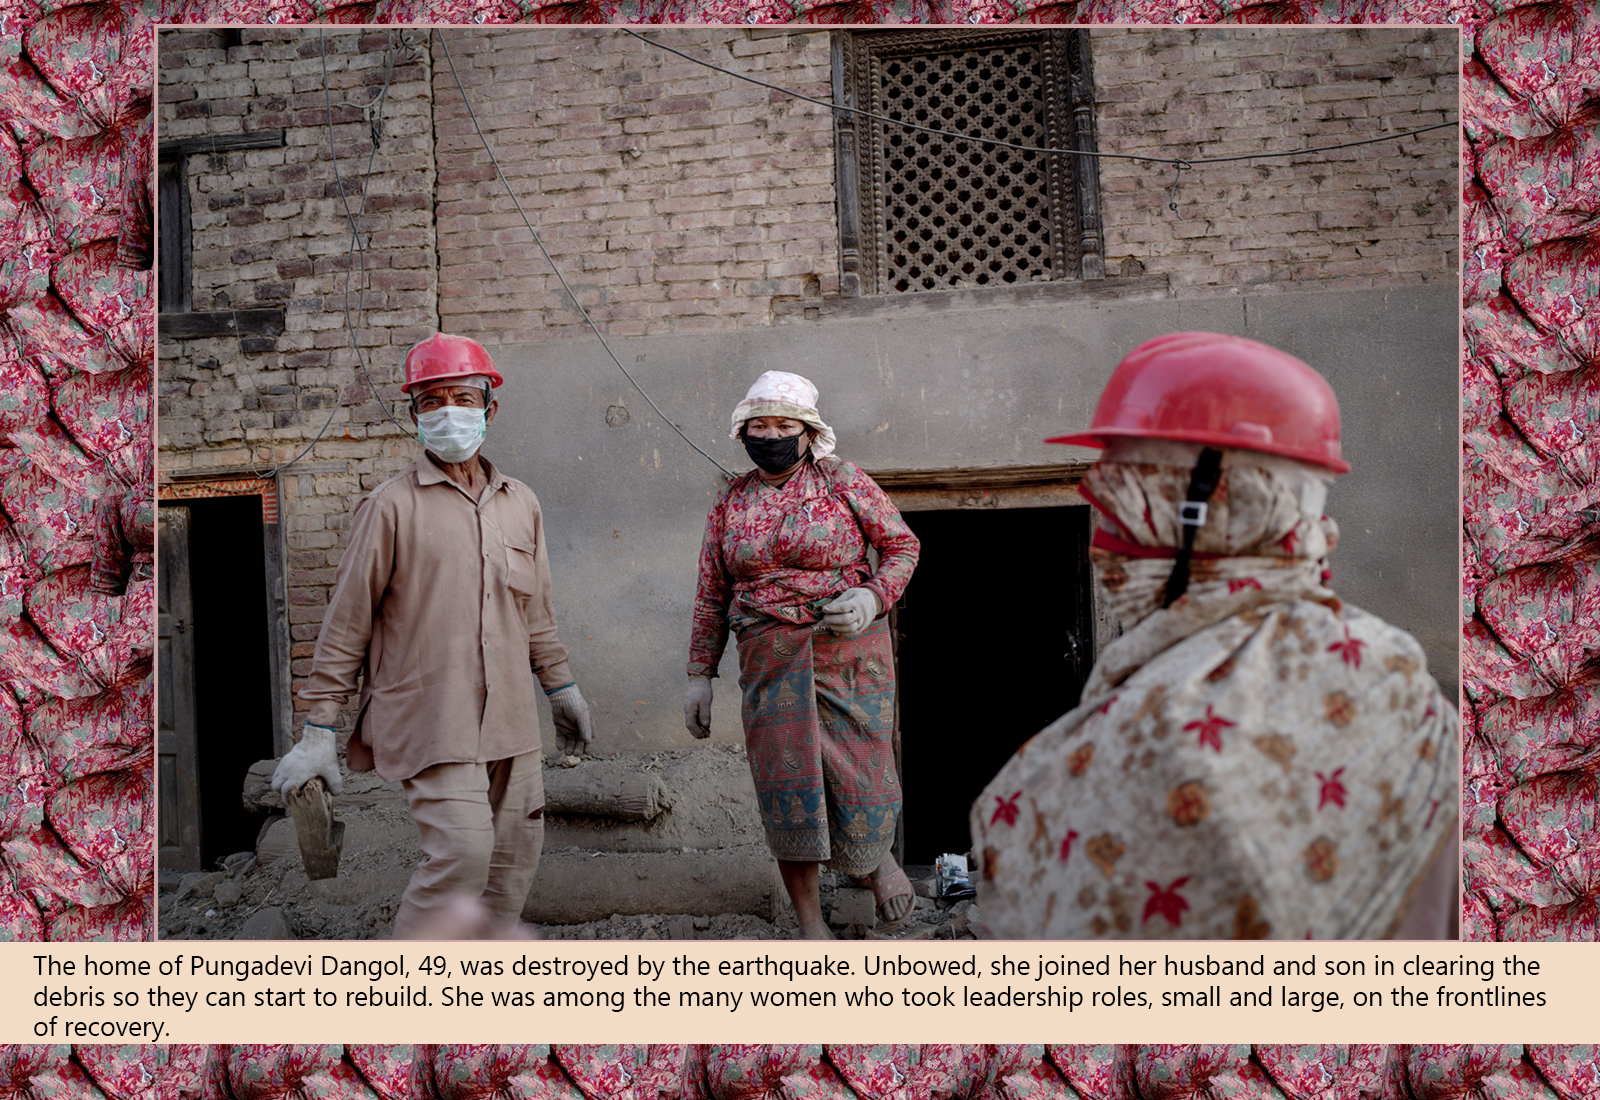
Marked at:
<point>774,455</point>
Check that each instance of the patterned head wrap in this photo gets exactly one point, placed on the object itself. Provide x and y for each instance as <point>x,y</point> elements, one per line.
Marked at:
<point>779,393</point>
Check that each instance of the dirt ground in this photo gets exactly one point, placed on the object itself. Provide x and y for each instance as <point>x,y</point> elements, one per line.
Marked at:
<point>265,894</point>
<point>247,900</point>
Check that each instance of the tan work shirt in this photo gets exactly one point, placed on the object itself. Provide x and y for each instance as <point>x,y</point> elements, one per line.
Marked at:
<point>442,606</point>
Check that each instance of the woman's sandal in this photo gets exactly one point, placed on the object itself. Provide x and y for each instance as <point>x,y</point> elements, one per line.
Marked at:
<point>902,890</point>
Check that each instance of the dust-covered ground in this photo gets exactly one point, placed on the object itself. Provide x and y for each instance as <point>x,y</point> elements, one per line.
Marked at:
<point>713,822</point>
<point>247,900</point>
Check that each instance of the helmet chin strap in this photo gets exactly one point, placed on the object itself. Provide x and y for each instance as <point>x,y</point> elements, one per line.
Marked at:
<point>1192,514</point>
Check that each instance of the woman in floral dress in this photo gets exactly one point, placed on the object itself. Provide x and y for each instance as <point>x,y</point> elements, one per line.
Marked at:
<point>785,565</point>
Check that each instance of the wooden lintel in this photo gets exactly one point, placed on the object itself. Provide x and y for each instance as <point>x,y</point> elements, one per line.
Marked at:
<point>224,322</point>
<point>219,143</point>
<point>983,478</point>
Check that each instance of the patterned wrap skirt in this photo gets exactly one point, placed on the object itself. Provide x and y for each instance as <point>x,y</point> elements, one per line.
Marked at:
<point>819,727</point>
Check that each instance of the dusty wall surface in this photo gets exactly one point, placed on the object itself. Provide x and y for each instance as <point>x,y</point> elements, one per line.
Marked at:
<point>682,200</point>
<point>1373,215</point>
<point>694,253</point>
<point>676,199</point>
<point>918,385</point>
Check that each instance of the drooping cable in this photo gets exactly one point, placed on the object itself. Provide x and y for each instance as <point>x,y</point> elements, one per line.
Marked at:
<point>373,113</point>
<point>1182,164</point>
<point>557,270</point>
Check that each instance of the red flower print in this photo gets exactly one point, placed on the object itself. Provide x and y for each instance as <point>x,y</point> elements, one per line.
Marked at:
<point>1332,790</point>
<point>1066,845</point>
<point>1078,762</point>
<point>1105,707</point>
<point>1288,541</point>
<point>1168,902</point>
<point>1349,649</point>
<point>1006,809</point>
<point>1210,729</point>
<point>1239,584</point>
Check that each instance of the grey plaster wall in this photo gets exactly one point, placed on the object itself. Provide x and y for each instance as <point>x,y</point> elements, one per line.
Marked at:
<point>966,379</point>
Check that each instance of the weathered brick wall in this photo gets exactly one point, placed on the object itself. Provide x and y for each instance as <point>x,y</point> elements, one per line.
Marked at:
<point>681,200</point>
<point>270,230</point>
<point>1373,215</point>
<point>675,199</point>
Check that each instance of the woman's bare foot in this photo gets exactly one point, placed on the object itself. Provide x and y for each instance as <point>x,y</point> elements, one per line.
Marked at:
<point>891,889</point>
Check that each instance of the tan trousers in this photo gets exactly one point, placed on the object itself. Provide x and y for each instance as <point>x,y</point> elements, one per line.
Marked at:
<point>482,829</point>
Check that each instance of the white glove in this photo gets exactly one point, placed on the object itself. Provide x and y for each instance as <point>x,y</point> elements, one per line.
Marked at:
<point>852,612</point>
<point>314,755</point>
<point>574,726</point>
<point>697,706</point>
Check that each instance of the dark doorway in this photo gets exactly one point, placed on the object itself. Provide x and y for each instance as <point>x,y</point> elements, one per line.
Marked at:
<point>996,636</point>
<point>233,714</point>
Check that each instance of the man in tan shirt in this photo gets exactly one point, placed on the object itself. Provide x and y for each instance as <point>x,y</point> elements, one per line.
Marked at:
<point>442,609</point>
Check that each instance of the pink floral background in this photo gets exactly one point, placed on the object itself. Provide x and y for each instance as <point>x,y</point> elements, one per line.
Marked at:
<point>1531,609</point>
<point>77,332</point>
<point>813,1072</point>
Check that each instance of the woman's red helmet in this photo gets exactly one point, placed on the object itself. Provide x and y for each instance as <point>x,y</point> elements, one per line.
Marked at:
<point>1223,391</point>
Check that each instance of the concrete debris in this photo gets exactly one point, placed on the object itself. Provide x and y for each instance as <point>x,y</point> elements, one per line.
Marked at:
<point>853,904</point>
<point>266,924</point>
<point>198,884</point>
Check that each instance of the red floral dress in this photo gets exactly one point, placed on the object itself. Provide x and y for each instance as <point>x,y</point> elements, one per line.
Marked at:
<point>782,553</point>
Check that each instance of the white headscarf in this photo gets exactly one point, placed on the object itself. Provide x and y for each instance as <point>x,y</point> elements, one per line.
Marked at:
<point>779,393</point>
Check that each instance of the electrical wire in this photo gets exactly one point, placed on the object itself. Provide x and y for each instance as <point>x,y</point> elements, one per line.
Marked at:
<point>557,270</point>
<point>355,219</point>
<point>1181,163</point>
<point>373,114</point>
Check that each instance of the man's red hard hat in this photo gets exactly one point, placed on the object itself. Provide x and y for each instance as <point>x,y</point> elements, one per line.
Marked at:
<point>442,356</point>
<point>1224,391</point>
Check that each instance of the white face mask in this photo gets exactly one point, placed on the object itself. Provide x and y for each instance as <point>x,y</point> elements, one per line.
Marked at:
<point>453,433</point>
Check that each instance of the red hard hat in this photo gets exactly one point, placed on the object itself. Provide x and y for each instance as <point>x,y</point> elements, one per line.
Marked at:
<point>443,356</point>
<point>1226,391</point>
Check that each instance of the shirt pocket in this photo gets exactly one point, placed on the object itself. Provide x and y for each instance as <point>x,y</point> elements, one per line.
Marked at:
<point>522,572</point>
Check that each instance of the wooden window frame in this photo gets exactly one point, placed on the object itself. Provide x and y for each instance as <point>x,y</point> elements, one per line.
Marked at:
<point>1070,88</point>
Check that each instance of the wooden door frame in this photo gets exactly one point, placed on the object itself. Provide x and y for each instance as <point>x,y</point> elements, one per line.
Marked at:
<point>183,853</point>
<point>204,484</point>
<point>992,487</point>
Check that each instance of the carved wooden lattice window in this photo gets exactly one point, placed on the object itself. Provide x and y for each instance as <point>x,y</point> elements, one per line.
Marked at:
<point>919,211</point>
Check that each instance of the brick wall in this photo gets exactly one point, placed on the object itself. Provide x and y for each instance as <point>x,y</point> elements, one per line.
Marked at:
<point>1373,215</point>
<point>675,199</point>
<point>681,200</point>
<point>270,230</point>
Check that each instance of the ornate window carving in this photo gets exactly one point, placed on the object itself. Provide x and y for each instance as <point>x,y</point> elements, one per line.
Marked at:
<point>918,211</point>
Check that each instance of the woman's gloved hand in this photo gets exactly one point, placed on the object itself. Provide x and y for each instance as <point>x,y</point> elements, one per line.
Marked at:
<point>852,612</point>
<point>697,706</point>
<point>313,755</point>
<point>574,726</point>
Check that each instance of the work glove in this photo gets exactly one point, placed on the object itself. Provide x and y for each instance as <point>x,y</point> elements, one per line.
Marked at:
<point>314,755</point>
<point>697,706</point>
<point>852,612</point>
<point>574,726</point>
